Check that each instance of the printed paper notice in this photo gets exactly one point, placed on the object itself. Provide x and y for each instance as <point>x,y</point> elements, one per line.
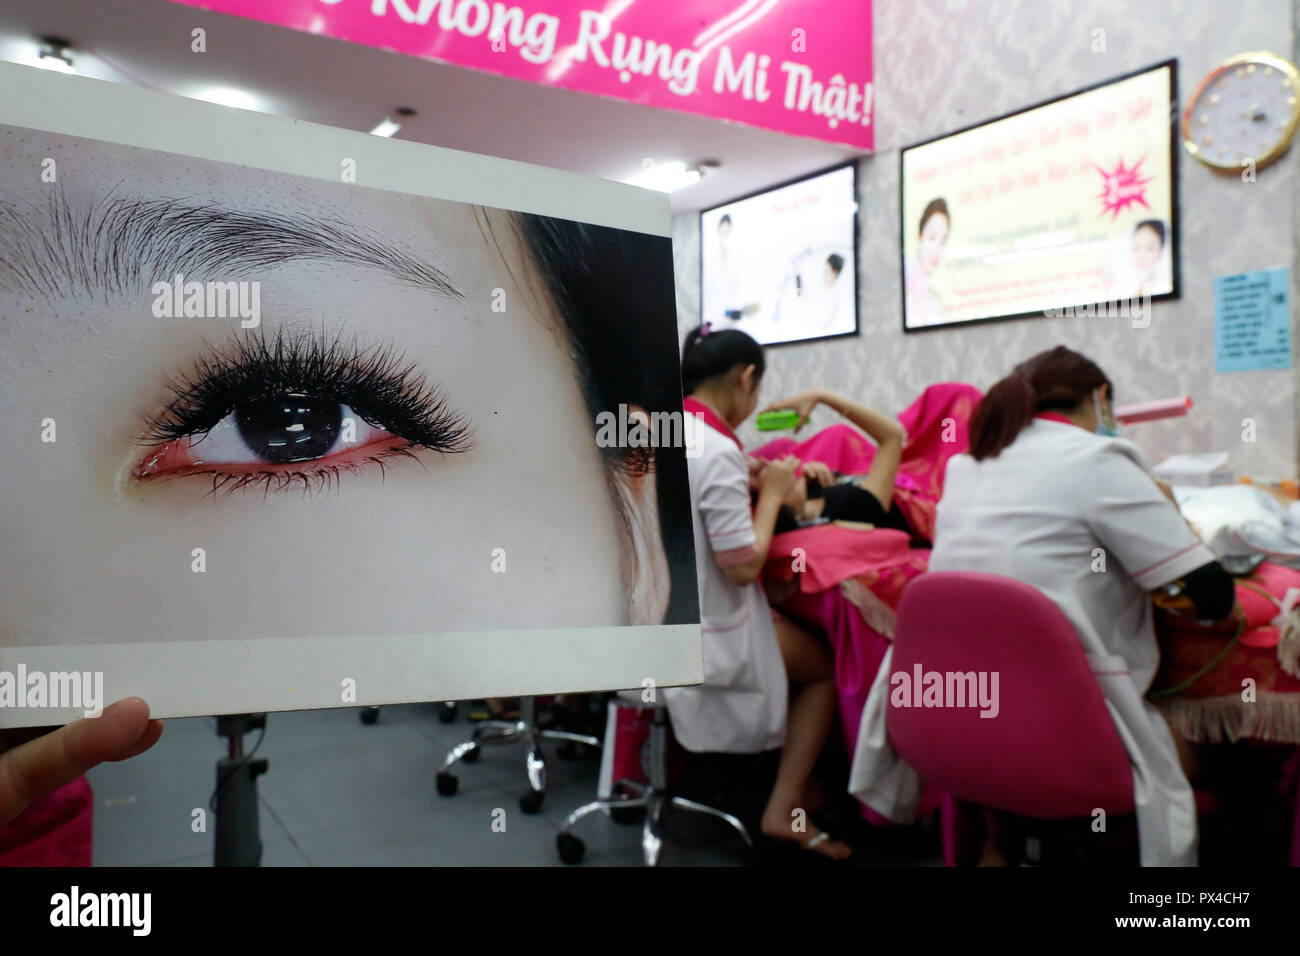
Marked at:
<point>1252,321</point>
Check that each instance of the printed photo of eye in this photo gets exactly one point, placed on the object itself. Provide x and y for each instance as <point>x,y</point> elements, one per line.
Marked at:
<point>290,430</point>
<point>294,409</point>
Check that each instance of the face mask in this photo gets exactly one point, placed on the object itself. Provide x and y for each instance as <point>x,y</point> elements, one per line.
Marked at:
<point>1105,424</point>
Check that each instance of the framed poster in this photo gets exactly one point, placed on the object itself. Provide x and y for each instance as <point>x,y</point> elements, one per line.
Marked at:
<point>1067,207</point>
<point>298,417</point>
<point>782,264</point>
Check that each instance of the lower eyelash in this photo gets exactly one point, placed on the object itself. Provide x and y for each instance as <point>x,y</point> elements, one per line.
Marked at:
<point>315,479</point>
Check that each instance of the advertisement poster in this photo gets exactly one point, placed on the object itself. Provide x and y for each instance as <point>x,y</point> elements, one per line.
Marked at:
<point>1067,208</point>
<point>280,440</point>
<point>781,265</point>
<point>800,67</point>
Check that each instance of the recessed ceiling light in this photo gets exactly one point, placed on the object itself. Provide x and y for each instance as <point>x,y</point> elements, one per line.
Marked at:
<point>670,176</point>
<point>389,125</point>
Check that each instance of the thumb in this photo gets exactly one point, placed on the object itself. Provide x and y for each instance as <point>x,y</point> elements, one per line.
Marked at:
<point>43,765</point>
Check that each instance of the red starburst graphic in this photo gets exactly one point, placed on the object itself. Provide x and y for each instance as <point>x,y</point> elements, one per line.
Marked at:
<point>1122,186</point>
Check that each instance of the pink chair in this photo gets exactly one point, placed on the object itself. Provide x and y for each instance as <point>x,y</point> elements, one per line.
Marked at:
<point>1052,752</point>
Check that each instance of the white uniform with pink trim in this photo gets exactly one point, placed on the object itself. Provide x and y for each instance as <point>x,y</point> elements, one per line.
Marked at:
<point>1038,512</point>
<point>741,707</point>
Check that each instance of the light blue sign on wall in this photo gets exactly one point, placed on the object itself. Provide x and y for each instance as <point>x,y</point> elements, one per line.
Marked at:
<point>1252,321</point>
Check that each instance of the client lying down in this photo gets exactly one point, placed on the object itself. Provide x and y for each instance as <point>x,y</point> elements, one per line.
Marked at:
<point>821,495</point>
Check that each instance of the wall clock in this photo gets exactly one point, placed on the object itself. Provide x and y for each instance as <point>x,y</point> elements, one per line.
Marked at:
<point>1244,110</point>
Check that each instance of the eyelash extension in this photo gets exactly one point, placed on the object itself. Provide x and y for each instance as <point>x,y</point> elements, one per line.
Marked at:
<point>318,479</point>
<point>376,383</point>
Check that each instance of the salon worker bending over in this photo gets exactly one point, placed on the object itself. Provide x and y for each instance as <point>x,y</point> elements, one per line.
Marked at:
<point>1047,488</point>
<point>767,682</point>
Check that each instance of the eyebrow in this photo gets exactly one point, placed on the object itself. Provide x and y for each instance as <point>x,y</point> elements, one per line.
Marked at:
<point>124,243</point>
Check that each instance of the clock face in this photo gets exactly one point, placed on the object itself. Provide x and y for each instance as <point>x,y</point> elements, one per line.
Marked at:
<point>1244,110</point>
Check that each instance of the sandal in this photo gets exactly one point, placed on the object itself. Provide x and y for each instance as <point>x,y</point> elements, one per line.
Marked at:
<point>480,712</point>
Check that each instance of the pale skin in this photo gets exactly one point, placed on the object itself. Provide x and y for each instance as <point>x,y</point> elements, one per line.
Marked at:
<point>808,661</point>
<point>1147,247</point>
<point>931,242</point>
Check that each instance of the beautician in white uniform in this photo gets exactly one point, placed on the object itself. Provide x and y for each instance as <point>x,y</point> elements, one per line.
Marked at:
<point>1046,483</point>
<point>745,704</point>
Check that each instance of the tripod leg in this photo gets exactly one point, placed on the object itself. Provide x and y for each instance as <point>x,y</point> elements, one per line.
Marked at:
<point>238,839</point>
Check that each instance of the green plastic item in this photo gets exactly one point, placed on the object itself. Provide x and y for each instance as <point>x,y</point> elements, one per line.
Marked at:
<point>778,420</point>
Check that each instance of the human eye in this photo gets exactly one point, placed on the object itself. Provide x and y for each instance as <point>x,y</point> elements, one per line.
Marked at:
<point>295,409</point>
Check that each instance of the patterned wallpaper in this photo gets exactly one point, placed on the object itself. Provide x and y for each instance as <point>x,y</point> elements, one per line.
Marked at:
<point>944,64</point>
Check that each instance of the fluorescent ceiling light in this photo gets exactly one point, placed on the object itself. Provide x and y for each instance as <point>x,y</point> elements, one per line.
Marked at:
<point>666,177</point>
<point>229,96</point>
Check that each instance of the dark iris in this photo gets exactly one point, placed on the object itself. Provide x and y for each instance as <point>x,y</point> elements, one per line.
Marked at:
<point>286,428</point>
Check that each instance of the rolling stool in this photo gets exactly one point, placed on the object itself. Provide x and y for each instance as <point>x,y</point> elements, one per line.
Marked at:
<point>524,729</point>
<point>655,798</point>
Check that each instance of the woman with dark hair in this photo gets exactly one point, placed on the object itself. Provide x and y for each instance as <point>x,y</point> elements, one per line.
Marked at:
<point>610,287</point>
<point>1049,495</point>
<point>1147,253</point>
<point>750,653</point>
<point>593,274</point>
<point>924,307</point>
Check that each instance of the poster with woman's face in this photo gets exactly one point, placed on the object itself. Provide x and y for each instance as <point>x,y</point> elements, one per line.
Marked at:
<point>1056,210</point>
<point>275,441</point>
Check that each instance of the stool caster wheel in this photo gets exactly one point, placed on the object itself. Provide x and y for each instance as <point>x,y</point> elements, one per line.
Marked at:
<point>447,784</point>
<point>369,715</point>
<point>570,847</point>
<point>531,802</point>
<point>471,756</point>
<point>447,714</point>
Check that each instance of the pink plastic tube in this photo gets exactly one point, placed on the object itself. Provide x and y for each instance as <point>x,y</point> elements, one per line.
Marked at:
<point>1150,411</point>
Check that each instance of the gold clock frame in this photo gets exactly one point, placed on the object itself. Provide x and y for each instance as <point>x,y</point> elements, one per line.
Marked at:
<point>1289,71</point>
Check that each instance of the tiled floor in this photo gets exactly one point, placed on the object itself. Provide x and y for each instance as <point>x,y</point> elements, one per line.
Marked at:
<point>342,793</point>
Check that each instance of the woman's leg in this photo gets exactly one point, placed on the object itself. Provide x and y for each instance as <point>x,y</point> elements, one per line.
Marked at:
<point>810,668</point>
<point>991,853</point>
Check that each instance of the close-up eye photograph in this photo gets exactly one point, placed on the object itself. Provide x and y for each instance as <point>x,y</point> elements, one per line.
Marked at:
<point>705,437</point>
<point>416,376</point>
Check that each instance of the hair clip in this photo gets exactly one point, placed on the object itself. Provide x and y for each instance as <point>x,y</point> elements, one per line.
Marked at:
<point>705,328</point>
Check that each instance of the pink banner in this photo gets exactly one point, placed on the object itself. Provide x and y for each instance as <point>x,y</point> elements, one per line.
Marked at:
<point>801,67</point>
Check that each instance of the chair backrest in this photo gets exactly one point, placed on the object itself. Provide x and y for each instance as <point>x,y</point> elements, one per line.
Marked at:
<point>1052,751</point>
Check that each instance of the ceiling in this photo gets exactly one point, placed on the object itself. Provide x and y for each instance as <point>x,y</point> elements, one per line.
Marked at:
<point>327,81</point>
